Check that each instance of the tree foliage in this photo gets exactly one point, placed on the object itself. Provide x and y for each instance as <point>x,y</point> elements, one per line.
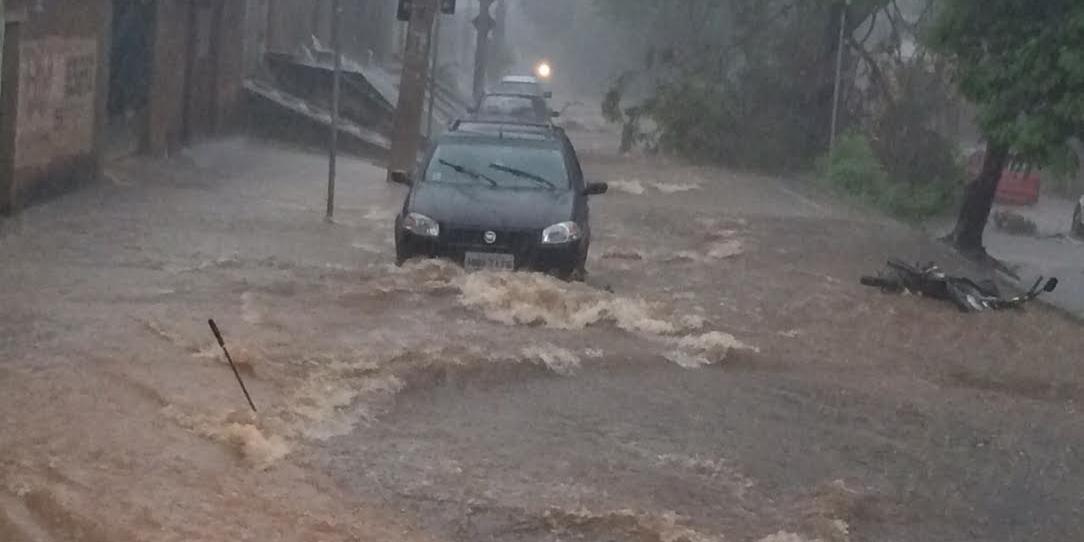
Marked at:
<point>746,82</point>
<point>1022,63</point>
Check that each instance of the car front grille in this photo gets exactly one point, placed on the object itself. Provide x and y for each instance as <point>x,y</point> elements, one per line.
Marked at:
<point>518,242</point>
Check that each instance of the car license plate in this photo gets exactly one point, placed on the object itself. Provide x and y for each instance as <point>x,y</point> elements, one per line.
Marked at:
<point>493,261</point>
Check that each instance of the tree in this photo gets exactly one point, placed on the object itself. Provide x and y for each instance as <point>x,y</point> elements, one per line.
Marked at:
<point>746,82</point>
<point>1021,62</point>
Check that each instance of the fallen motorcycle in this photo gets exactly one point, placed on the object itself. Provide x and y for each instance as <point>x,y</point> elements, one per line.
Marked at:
<point>970,296</point>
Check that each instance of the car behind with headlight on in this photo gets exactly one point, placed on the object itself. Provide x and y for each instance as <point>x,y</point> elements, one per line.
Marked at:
<point>499,196</point>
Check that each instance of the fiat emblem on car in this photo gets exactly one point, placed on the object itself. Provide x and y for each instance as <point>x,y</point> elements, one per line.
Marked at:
<point>490,237</point>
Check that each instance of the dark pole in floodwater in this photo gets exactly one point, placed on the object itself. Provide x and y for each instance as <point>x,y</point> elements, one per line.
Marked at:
<point>336,81</point>
<point>222,344</point>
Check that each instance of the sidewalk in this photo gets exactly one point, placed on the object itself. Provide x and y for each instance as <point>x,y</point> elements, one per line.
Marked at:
<point>120,420</point>
<point>1050,254</point>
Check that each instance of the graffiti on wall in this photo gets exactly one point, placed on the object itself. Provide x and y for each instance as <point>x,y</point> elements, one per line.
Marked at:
<point>56,100</point>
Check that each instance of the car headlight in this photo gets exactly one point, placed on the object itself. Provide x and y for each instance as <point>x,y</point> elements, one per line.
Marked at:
<point>559,234</point>
<point>419,224</point>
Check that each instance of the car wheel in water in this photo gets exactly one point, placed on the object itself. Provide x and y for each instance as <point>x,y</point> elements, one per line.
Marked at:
<point>401,256</point>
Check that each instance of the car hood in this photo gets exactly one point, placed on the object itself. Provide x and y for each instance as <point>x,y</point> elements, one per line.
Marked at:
<point>469,206</point>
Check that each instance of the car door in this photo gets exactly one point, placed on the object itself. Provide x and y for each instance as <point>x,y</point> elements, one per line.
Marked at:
<point>581,211</point>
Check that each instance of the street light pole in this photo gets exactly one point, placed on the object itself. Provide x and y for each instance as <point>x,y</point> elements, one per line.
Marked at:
<point>839,77</point>
<point>336,82</point>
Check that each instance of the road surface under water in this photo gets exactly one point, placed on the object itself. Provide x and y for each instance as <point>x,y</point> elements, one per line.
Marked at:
<point>720,374</point>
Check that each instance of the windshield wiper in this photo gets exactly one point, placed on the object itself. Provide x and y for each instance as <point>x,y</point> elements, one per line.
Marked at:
<point>469,172</point>
<point>524,175</point>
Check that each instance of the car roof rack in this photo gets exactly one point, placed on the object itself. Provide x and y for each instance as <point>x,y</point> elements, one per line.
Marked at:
<point>504,128</point>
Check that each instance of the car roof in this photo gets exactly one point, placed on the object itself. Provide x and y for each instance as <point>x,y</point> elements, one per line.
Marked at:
<point>497,128</point>
<point>519,79</point>
<point>521,141</point>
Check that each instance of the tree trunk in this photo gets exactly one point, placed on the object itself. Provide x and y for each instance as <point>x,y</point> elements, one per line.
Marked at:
<point>978,200</point>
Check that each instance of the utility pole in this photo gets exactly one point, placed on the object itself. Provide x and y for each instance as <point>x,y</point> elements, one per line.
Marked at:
<point>432,77</point>
<point>412,83</point>
<point>2,24</point>
<point>336,83</point>
<point>484,23</point>
<point>498,43</point>
<point>839,76</point>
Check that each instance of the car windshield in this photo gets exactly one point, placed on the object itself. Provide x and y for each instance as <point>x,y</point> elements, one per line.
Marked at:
<point>525,107</point>
<point>499,166</point>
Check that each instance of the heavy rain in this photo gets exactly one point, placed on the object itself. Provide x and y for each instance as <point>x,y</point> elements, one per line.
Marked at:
<point>541,270</point>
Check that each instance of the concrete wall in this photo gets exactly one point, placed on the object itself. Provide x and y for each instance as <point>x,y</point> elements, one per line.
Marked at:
<point>257,13</point>
<point>199,67</point>
<point>166,111</point>
<point>59,97</point>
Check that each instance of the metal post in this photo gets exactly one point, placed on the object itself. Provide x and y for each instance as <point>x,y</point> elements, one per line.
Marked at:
<point>839,76</point>
<point>335,89</point>
<point>435,44</point>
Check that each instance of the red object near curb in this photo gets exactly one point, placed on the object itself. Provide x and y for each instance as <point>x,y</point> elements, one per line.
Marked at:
<point>1019,185</point>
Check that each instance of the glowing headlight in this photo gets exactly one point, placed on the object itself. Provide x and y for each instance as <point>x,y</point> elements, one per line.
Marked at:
<point>419,224</point>
<point>559,234</point>
<point>544,70</point>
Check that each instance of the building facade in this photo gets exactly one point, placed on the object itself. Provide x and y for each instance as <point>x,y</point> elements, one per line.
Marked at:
<point>53,95</point>
<point>83,81</point>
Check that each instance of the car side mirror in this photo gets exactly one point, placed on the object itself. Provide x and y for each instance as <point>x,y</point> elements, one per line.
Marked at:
<point>596,189</point>
<point>401,177</point>
<point>547,94</point>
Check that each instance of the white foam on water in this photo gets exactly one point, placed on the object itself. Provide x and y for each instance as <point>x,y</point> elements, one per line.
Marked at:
<point>417,276</point>
<point>720,250</point>
<point>256,447</point>
<point>536,299</point>
<point>726,249</point>
<point>555,358</point>
<point>240,431</point>
<point>250,312</point>
<point>366,246</point>
<point>665,527</point>
<point>674,188</point>
<point>631,186</point>
<point>380,214</point>
<point>783,536</point>
<point>329,404</point>
<point>695,351</point>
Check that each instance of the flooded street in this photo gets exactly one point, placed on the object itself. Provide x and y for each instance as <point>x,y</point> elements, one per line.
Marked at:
<point>720,374</point>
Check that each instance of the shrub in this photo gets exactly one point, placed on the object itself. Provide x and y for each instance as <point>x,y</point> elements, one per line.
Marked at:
<point>855,169</point>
